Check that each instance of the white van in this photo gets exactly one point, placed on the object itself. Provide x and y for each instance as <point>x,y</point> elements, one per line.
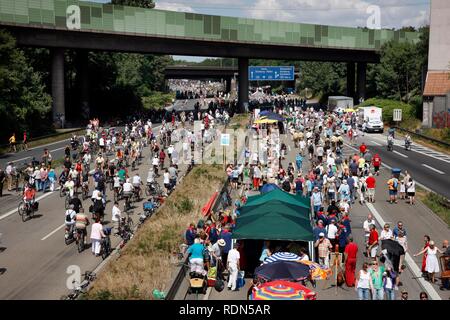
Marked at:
<point>373,117</point>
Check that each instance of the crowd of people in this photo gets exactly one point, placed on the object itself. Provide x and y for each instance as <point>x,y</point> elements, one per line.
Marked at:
<point>335,184</point>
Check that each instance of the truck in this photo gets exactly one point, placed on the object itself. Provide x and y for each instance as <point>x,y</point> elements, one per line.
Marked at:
<point>373,117</point>
<point>339,103</point>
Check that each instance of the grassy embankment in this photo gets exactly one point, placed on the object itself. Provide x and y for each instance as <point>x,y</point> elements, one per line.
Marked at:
<point>145,262</point>
<point>436,203</point>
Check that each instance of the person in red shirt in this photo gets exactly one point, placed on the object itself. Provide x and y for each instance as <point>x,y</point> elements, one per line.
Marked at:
<point>351,251</point>
<point>29,195</point>
<point>162,157</point>
<point>376,161</point>
<point>25,141</point>
<point>362,149</point>
<point>371,184</point>
<point>373,243</point>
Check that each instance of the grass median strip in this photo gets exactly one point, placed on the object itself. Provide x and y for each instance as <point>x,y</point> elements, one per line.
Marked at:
<point>438,204</point>
<point>145,262</point>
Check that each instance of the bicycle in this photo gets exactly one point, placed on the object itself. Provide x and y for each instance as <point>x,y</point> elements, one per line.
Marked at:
<point>128,202</point>
<point>67,200</point>
<point>25,210</point>
<point>79,239</point>
<point>85,191</point>
<point>153,189</point>
<point>74,293</point>
<point>106,244</point>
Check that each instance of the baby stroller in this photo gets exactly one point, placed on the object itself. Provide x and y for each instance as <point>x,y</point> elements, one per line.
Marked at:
<point>197,283</point>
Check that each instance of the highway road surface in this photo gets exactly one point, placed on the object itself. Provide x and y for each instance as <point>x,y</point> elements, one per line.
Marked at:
<point>428,167</point>
<point>36,258</point>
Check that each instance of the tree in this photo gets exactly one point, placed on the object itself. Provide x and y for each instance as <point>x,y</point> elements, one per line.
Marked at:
<point>24,104</point>
<point>135,3</point>
<point>399,72</point>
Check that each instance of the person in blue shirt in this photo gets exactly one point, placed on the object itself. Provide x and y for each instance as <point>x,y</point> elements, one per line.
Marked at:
<point>190,234</point>
<point>318,229</point>
<point>226,235</point>
<point>299,161</point>
<point>195,253</point>
<point>399,227</point>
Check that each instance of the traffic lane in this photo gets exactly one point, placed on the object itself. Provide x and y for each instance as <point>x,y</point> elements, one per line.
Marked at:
<point>358,214</point>
<point>431,159</point>
<point>56,149</point>
<point>51,255</point>
<point>414,165</point>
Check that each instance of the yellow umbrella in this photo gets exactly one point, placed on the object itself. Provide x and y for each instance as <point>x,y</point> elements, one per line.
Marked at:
<point>261,121</point>
<point>349,110</point>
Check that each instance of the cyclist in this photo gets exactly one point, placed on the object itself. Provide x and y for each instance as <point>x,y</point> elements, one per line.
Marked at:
<point>137,182</point>
<point>155,163</point>
<point>70,218</point>
<point>100,161</point>
<point>76,202</point>
<point>25,141</point>
<point>362,149</point>
<point>127,191</point>
<point>29,196</point>
<point>407,141</point>
<point>122,174</point>
<point>12,143</point>
<point>390,140</point>
<point>69,186</point>
<point>81,222</point>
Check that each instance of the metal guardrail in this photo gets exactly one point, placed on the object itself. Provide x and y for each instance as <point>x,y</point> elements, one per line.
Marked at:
<point>423,136</point>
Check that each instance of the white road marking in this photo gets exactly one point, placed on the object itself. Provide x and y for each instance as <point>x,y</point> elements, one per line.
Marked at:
<point>45,195</point>
<point>409,261</point>
<point>400,154</point>
<point>57,149</point>
<point>53,232</point>
<point>20,159</point>
<point>376,143</point>
<point>431,168</point>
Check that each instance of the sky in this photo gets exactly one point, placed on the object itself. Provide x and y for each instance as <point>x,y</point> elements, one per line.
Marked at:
<point>350,13</point>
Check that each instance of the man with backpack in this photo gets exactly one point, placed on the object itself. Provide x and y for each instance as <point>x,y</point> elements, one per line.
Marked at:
<point>393,187</point>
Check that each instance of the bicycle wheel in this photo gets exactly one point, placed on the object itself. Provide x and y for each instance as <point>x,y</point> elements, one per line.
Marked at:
<point>66,202</point>
<point>25,214</point>
<point>148,191</point>
<point>62,192</point>
<point>21,208</point>
<point>130,223</point>
<point>81,244</point>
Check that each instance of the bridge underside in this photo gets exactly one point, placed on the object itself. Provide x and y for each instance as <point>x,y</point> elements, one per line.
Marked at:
<point>57,40</point>
<point>156,45</point>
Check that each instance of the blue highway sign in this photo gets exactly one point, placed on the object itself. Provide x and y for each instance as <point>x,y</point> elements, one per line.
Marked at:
<point>271,73</point>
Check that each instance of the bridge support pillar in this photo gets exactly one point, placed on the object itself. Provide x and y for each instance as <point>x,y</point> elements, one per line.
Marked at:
<point>83,73</point>
<point>57,75</point>
<point>361,79</point>
<point>351,79</point>
<point>228,85</point>
<point>243,84</point>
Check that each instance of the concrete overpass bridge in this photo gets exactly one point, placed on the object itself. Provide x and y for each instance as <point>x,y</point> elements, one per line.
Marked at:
<point>82,25</point>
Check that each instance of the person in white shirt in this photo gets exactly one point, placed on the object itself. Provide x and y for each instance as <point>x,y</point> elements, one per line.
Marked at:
<point>70,217</point>
<point>127,188</point>
<point>166,180</point>
<point>137,182</point>
<point>366,227</point>
<point>386,233</point>
<point>69,185</point>
<point>233,266</point>
<point>116,217</point>
<point>331,232</point>
<point>155,164</point>
<point>170,151</point>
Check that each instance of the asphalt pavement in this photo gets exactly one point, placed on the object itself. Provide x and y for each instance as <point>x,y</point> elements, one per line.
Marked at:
<point>427,166</point>
<point>418,220</point>
<point>38,263</point>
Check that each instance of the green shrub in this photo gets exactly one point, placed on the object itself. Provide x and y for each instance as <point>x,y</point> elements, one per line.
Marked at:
<point>388,106</point>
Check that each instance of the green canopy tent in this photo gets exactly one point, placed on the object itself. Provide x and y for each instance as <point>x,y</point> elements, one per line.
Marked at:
<point>277,221</point>
<point>279,195</point>
<point>276,215</point>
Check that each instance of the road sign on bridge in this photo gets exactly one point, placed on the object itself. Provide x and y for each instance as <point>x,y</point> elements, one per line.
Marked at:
<point>271,73</point>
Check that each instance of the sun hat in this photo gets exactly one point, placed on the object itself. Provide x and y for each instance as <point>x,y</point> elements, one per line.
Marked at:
<point>321,234</point>
<point>221,242</point>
